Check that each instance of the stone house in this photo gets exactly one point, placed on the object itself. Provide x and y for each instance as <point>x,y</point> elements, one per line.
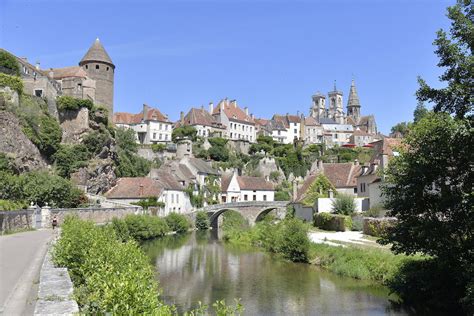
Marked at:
<point>312,131</point>
<point>239,124</point>
<point>150,125</point>
<point>371,176</point>
<point>236,188</point>
<point>335,133</point>
<point>205,124</point>
<point>164,187</point>
<point>360,138</point>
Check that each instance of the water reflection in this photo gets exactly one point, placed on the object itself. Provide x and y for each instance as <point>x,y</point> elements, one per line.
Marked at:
<point>199,267</point>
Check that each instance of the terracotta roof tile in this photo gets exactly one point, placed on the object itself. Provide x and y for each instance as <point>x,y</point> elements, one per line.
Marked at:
<point>311,121</point>
<point>153,114</point>
<point>199,117</point>
<point>135,188</point>
<point>254,183</point>
<point>342,175</point>
<point>233,112</point>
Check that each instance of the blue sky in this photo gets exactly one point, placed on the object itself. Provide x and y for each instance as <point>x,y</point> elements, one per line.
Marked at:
<point>270,55</point>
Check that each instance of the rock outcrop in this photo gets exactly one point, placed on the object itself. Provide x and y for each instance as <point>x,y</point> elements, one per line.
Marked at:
<point>96,178</point>
<point>16,145</point>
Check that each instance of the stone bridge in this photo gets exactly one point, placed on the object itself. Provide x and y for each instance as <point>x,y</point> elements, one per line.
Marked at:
<point>253,211</point>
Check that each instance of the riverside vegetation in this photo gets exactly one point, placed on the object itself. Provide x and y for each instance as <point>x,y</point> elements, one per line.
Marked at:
<point>110,272</point>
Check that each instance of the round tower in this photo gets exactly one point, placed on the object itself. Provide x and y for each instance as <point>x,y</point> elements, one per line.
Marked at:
<point>99,67</point>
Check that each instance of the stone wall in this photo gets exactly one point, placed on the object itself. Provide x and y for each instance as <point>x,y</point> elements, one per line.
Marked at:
<point>74,124</point>
<point>97,215</point>
<point>15,220</point>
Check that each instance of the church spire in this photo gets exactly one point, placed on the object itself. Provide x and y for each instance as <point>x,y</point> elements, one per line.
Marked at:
<point>353,103</point>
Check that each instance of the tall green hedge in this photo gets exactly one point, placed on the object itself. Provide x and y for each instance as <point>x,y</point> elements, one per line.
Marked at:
<point>69,103</point>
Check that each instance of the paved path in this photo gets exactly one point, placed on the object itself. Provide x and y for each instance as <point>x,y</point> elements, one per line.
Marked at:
<point>352,237</point>
<point>21,256</point>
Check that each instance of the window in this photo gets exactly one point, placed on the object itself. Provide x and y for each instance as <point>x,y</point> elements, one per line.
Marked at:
<point>264,197</point>
<point>362,187</point>
<point>254,197</point>
<point>296,131</point>
<point>96,66</point>
<point>166,136</point>
<point>172,198</point>
<point>161,136</point>
<point>230,135</point>
<point>177,198</point>
<point>154,135</point>
<point>87,66</point>
<point>39,93</point>
<point>160,126</point>
<point>107,68</point>
<point>246,197</point>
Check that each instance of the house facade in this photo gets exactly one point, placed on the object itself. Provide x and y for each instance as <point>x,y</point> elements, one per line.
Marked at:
<point>239,124</point>
<point>150,125</point>
<point>236,188</point>
<point>204,123</point>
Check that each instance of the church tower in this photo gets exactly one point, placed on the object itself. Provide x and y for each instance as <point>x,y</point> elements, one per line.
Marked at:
<point>335,105</point>
<point>318,109</point>
<point>353,104</point>
<point>99,67</point>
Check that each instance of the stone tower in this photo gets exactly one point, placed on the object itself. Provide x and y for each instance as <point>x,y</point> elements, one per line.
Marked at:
<point>99,67</point>
<point>318,109</point>
<point>353,103</point>
<point>335,105</point>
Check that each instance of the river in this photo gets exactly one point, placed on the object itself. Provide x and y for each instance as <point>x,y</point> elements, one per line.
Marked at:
<point>200,267</point>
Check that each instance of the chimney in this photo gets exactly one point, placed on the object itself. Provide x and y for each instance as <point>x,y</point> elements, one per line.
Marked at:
<point>252,116</point>
<point>246,109</point>
<point>37,65</point>
<point>145,111</point>
<point>181,117</point>
<point>211,107</point>
<point>141,190</point>
<point>234,103</point>
<point>330,193</point>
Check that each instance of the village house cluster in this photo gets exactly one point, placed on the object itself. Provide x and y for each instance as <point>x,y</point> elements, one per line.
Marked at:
<point>172,183</point>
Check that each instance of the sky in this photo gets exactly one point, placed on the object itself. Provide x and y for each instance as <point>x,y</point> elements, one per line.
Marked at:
<point>269,55</point>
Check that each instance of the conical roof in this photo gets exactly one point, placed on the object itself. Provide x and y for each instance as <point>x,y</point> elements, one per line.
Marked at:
<point>353,97</point>
<point>96,53</point>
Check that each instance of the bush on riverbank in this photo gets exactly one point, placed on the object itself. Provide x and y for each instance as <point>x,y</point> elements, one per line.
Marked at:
<point>177,223</point>
<point>143,227</point>
<point>202,220</point>
<point>360,263</point>
<point>377,226</point>
<point>328,221</point>
<point>288,238</point>
<point>109,276</point>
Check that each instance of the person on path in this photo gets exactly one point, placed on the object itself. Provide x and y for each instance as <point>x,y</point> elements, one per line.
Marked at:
<point>55,221</point>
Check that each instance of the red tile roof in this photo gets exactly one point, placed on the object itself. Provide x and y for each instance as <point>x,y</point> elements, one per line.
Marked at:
<point>135,188</point>
<point>254,183</point>
<point>311,121</point>
<point>199,117</point>
<point>342,175</point>
<point>233,112</point>
<point>152,114</point>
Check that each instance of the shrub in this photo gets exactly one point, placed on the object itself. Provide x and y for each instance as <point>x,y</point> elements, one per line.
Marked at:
<point>99,114</point>
<point>69,158</point>
<point>9,64</point>
<point>143,227</point>
<point>121,229</point>
<point>13,82</point>
<point>68,103</point>
<point>184,132</point>
<point>202,220</point>
<point>282,196</point>
<point>343,204</point>
<point>335,222</point>
<point>292,240</point>
<point>377,226</point>
<point>44,131</point>
<point>7,205</point>
<point>109,276</point>
<point>96,140</point>
<point>319,188</point>
<point>158,148</point>
<point>375,211</point>
<point>177,223</point>
<point>129,163</point>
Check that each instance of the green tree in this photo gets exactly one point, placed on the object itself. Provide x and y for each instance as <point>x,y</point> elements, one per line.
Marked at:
<point>129,164</point>
<point>183,132</point>
<point>9,64</point>
<point>429,187</point>
<point>202,220</point>
<point>420,112</point>
<point>403,128</point>
<point>344,204</point>
<point>218,150</point>
<point>96,140</point>
<point>455,55</point>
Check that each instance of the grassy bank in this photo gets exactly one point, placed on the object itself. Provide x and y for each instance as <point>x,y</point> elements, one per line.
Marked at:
<point>111,274</point>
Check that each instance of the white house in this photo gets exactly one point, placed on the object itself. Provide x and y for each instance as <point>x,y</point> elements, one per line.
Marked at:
<point>336,134</point>
<point>370,176</point>
<point>313,131</point>
<point>285,128</point>
<point>236,188</point>
<point>164,187</point>
<point>204,123</point>
<point>239,124</point>
<point>150,125</point>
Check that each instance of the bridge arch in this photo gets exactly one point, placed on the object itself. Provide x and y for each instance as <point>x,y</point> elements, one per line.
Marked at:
<point>264,213</point>
<point>214,216</point>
